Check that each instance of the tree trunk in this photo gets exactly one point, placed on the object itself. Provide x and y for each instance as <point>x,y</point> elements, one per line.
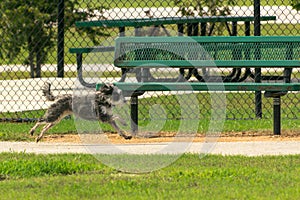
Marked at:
<point>38,63</point>
<point>31,58</point>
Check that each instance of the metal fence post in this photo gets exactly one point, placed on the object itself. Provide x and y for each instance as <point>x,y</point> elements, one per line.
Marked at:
<point>258,96</point>
<point>60,38</point>
<point>276,116</point>
<point>134,113</point>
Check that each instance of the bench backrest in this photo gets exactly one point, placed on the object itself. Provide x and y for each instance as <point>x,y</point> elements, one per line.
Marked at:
<point>208,51</point>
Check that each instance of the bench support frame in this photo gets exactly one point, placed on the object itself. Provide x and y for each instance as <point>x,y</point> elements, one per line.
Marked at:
<point>276,115</point>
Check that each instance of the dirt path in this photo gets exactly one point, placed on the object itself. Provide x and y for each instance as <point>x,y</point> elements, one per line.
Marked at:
<point>169,136</point>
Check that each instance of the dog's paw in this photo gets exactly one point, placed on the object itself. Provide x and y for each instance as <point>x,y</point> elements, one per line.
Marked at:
<point>31,132</point>
<point>127,137</point>
<point>38,139</point>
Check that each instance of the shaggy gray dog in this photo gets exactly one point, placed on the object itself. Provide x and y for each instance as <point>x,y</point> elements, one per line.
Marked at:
<point>96,106</point>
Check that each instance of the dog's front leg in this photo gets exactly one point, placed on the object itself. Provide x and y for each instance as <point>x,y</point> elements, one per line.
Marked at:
<point>120,132</point>
<point>34,127</point>
<point>46,127</point>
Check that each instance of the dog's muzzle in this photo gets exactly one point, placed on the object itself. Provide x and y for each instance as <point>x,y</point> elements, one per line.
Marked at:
<point>117,96</point>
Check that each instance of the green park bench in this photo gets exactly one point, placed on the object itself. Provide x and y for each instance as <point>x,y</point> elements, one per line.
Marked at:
<point>195,56</point>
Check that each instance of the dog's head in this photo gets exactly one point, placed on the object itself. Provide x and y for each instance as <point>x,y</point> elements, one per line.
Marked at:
<point>113,91</point>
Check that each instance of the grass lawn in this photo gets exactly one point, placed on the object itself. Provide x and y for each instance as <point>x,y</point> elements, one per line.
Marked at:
<point>77,176</point>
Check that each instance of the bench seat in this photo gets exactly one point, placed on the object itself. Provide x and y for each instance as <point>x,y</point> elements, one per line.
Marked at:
<point>198,86</point>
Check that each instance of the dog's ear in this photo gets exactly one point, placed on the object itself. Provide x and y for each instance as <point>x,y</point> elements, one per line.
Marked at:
<point>107,88</point>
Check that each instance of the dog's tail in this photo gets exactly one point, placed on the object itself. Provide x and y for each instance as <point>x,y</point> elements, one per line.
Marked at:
<point>47,92</point>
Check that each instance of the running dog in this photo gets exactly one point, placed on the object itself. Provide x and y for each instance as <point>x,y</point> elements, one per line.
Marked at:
<point>95,106</point>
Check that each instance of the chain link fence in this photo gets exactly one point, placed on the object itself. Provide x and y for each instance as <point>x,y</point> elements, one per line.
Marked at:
<point>35,38</point>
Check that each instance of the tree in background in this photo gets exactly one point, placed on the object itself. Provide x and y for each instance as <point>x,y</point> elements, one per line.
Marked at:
<point>206,8</point>
<point>32,25</point>
<point>296,4</point>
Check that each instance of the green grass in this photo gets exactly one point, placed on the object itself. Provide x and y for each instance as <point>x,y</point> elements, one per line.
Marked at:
<point>20,131</point>
<point>77,176</point>
<point>22,165</point>
<point>14,75</point>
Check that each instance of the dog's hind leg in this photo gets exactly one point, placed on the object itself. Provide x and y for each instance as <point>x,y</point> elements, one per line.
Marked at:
<point>120,132</point>
<point>45,128</point>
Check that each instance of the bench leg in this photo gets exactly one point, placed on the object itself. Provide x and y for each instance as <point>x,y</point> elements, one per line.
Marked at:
<point>80,74</point>
<point>134,114</point>
<point>276,116</point>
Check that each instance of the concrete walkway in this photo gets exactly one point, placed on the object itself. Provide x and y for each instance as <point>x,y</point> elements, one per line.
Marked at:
<point>223,148</point>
